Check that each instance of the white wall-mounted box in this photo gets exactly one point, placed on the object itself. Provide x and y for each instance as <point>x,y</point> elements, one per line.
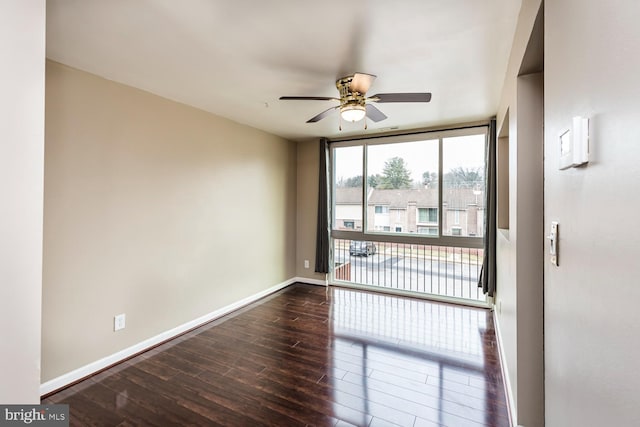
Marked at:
<point>574,144</point>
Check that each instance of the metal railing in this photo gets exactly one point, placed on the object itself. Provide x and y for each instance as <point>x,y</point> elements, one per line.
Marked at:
<point>441,271</point>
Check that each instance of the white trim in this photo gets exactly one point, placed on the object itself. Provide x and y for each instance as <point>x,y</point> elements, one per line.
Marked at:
<point>511,407</point>
<point>308,281</point>
<point>412,294</point>
<point>94,367</point>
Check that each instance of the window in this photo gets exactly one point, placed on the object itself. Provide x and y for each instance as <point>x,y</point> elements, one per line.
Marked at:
<point>347,187</point>
<point>427,185</point>
<point>463,188</point>
<point>432,231</point>
<point>401,175</point>
<point>418,200</point>
<point>427,214</point>
<point>382,209</point>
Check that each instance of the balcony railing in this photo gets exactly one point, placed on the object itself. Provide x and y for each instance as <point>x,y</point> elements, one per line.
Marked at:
<point>441,271</point>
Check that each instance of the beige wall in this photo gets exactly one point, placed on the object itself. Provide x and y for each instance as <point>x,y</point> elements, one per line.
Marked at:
<point>592,319</point>
<point>308,158</point>
<point>22,43</point>
<point>137,193</point>
<point>519,296</point>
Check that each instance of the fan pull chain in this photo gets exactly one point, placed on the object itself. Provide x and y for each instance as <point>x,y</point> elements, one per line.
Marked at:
<point>340,122</point>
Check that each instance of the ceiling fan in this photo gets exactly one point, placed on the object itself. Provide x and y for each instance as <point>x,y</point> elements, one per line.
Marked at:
<point>354,104</point>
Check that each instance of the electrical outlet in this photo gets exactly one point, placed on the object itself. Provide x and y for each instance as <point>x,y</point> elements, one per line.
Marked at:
<point>306,263</point>
<point>119,322</point>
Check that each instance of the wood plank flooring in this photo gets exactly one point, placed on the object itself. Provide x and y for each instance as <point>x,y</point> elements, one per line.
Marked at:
<point>310,356</point>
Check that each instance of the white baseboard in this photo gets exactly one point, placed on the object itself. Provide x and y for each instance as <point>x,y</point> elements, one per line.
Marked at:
<point>503,366</point>
<point>94,367</point>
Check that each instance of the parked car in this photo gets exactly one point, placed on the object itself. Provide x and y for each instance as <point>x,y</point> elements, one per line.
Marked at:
<point>357,247</point>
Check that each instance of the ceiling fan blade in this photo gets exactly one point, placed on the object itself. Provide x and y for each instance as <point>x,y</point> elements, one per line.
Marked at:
<point>322,115</point>
<point>308,98</point>
<point>374,114</point>
<point>401,97</point>
<point>361,82</point>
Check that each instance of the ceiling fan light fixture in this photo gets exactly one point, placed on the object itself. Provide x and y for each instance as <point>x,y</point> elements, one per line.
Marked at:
<point>353,112</point>
<point>355,105</point>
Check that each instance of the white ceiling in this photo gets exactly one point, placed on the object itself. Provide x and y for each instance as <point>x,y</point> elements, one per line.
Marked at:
<point>236,58</point>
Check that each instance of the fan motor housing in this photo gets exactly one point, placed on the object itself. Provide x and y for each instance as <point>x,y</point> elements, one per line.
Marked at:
<point>347,97</point>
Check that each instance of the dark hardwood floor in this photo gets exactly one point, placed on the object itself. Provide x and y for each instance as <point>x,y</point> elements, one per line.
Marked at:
<point>310,356</point>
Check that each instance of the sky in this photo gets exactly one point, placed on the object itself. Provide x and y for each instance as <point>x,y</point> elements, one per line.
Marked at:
<point>420,156</point>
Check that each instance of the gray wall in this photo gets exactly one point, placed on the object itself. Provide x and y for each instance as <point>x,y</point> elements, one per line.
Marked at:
<point>519,296</point>
<point>592,319</point>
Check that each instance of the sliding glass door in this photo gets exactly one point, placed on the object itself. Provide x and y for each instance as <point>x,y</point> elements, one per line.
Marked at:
<point>408,212</point>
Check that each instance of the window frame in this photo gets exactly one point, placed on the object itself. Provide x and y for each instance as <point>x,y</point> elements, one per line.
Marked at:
<point>440,239</point>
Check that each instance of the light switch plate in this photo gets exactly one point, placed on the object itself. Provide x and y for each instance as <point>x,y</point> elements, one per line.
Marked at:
<point>553,243</point>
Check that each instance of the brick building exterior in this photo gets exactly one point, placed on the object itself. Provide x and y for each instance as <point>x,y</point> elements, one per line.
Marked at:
<point>412,211</point>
